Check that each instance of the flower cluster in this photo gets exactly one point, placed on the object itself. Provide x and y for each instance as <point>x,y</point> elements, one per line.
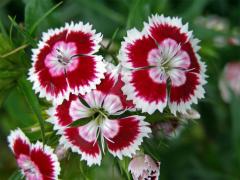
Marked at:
<point>95,103</point>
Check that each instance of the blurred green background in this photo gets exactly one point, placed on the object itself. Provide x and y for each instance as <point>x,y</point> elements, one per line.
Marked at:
<point>208,149</point>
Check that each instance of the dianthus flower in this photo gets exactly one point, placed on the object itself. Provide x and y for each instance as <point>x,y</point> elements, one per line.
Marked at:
<point>64,62</point>
<point>37,162</point>
<point>104,108</point>
<point>161,66</point>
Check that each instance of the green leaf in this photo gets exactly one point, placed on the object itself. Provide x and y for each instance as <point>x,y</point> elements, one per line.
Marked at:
<point>2,29</point>
<point>235,116</point>
<point>137,14</point>
<point>123,167</point>
<point>100,8</point>
<point>34,26</point>
<point>9,74</point>
<point>16,175</point>
<point>34,10</point>
<point>112,39</point>
<point>195,9</point>
<point>22,31</point>
<point>80,122</point>
<point>26,88</point>
<point>14,51</point>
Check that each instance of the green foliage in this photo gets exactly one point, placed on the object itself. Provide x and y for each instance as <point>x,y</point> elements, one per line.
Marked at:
<point>34,10</point>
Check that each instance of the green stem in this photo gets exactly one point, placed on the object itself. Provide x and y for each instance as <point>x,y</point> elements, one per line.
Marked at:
<point>105,50</point>
<point>32,100</point>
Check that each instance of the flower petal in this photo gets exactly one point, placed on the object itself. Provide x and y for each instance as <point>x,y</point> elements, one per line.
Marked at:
<point>94,99</point>
<point>112,85</point>
<point>88,73</point>
<point>145,93</point>
<point>77,110</point>
<point>135,49</point>
<point>112,104</point>
<point>60,114</point>
<point>84,36</point>
<point>45,160</point>
<point>19,143</point>
<point>181,97</point>
<point>52,88</point>
<point>85,146</point>
<point>79,139</point>
<point>126,139</point>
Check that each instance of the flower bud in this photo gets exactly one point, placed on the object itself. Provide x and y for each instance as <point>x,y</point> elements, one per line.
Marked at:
<point>230,80</point>
<point>144,167</point>
<point>61,152</point>
<point>190,114</point>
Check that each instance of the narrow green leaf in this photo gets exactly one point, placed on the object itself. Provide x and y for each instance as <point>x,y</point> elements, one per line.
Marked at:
<point>83,102</point>
<point>235,116</point>
<point>11,29</point>
<point>123,167</point>
<point>195,9</point>
<point>16,175</point>
<point>104,10</point>
<point>112,54</point>
<point>80,122</point>
<point>14,51</point>
<point>138,12</point>
<point>22,31</point>
<point>34,26</point>
<point>34,10</point>
<point>9,74</point>
<point>113,38</point>
<point>3,30</point>
<point>32,100</point>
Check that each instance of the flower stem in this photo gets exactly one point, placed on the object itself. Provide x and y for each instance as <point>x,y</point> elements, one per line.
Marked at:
<point>32,100</point>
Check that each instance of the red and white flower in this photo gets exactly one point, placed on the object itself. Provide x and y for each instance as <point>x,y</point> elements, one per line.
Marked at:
<point>230,81</point>
<point>103,107</point>
<point>162,66</point>
<point>144,167</point>
<point>64,62</point>
<point>37,162</point>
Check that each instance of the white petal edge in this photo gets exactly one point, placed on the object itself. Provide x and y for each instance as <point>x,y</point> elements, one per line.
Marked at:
<point>100,70</point>
<point>50,153</point>
<point>134,146</point>
<point>172,21</point>
<point>130,91</point>
<point>198,93</point>
<point>15,134</point>
<point>91,160</point>
<point>132,36</point>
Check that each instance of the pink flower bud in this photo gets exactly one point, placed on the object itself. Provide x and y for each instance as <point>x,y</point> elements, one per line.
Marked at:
<point>144,167</point>
<point>230,80</point>
<point>61,152</point>
<point>190,114</point>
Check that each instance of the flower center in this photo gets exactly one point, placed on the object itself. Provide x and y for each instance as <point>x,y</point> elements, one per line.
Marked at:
<point>62,58</point>
<point>99,114</point>
<point>30,170</point>
<point>168,61</point>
